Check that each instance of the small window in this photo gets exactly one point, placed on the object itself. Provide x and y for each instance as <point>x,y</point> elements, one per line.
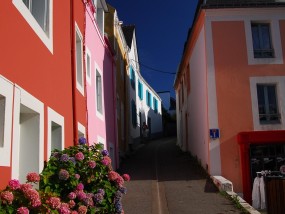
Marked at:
<point>99,92</point>
<point>148,99</point>
<point>261,38</point>
<point>99,15</point>
<point>133,78</point>
<point>140,90</point>
<point>134,114</point>
<point>267,104</point>
<point>155,105</point>
<point>88,66</point>
<point>79,61</point>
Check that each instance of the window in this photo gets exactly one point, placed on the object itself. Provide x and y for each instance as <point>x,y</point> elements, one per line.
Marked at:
<point>99,14</point>
<point>148,99</point>
<point>155,105</point>
<point>6,103</point>
<point>267,104</point>
<point>79,60</point>
<point>261,39</point>
<point>140,90</point>
<point>40,11</point>
<point>55,131</point>
<point>38,14</point>
<point>88,66</point>
<point>134,114</point>
<point>133,77</point>
<point>99,92</point>
<point>81,130</point>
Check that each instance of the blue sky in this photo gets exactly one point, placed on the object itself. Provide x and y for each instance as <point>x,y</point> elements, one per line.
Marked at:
<point>161,30</point>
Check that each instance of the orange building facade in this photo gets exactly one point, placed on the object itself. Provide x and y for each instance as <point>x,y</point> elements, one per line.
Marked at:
<point>41,72</point>
<point>230,90</point>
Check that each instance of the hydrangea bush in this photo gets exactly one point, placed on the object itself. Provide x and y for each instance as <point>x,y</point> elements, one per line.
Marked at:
<point>79,179</point>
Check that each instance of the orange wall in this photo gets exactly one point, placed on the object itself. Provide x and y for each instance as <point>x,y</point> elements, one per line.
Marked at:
<point>233,90</point>
<point>26,61</point>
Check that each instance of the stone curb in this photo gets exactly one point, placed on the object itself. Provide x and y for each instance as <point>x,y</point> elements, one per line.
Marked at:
<point>225,185</point>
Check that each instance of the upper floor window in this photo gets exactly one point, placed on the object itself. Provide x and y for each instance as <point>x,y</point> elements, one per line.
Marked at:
<point>148,99</point>
<point>79,60</point>
<point>155,105</point>
<point>133,78</point>
<point>38,14</point>
<point>88,65</point>
<point>99,92</point>
<point>267,104</point>
<point>140,90</point>
<point>40,11</point>
<point>261,39</point>
<point>99,14</point>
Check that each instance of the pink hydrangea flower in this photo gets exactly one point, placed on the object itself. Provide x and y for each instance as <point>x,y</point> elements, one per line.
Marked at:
<point>33,177</point>
<point>32,195</point>
<point>80,186</point>
<point>92,164</point>
<point>71,203</point>
<point>106,161</point>
<point>64,209</point>
<point>79,156</point>
<point>126,177</point>
<point>54,202</point>
<point>14,184</point>
<point>25,187</point>
<point>72,195</point>
<point>23,210</point>
<point>74,212</point>
<point>7,197</point>
<point>82,209</point>
<point>36,203</point>
<point>81,195</point>
<point>77,176</point>
<point>119,181</point>
<point>113,175</point>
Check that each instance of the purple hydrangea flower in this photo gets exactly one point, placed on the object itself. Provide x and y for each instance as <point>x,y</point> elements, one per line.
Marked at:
<point>82,141</point>
<point>72,159</point>
<point>105,152</point>
<point>101,191</point>
<point>64,158</point>
<point>63,174</point>
<point>98,198</point>
<point>123,190</point>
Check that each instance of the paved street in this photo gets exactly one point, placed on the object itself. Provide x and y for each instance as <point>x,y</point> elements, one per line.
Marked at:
<point>166,180</point>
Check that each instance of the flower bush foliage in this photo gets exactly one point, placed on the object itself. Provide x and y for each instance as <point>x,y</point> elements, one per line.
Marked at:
<point>78,179</point>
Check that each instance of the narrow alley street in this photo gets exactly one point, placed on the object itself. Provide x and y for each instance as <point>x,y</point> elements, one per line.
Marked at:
<point>165,180</point>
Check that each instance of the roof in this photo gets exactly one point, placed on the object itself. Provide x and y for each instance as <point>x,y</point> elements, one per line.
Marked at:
<point>241,3</point>
<point>128,31</point>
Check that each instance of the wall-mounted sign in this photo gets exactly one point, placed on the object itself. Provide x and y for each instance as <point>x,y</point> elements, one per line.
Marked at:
<point>214,133</point>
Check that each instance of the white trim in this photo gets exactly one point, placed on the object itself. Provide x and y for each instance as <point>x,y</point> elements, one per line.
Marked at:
<point>79,87</point>
<point>280,88</point>
<point>102,140</point>
<point>6,90</point>
<point>99,114</point>
<point>22,97</point>
<point>81,128</point>
<point>47,40</point>
<point>88,53</point>
<point>53,116</point>
<point>214,145</point>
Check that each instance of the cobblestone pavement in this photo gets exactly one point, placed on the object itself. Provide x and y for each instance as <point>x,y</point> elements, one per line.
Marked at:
<point>166,180</point>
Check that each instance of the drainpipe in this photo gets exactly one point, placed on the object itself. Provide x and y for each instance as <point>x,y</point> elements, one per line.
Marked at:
<point>73,74</point>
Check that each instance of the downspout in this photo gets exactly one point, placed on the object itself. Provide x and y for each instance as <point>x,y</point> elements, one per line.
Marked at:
<point>73,74</point>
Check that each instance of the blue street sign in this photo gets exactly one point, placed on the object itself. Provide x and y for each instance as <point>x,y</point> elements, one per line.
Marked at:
<point>214,133</point>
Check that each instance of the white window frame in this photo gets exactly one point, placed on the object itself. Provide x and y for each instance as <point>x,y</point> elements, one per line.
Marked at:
<point>46,39</point>
<point>23,97</point>
<point>275,41</point>
<point>88,54</point>
<point>279,81</point>
<point>99,114</point>
<point>79,86</point>
<point>81,129</point>
<point>55,117</point>
<point>6,90</point>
